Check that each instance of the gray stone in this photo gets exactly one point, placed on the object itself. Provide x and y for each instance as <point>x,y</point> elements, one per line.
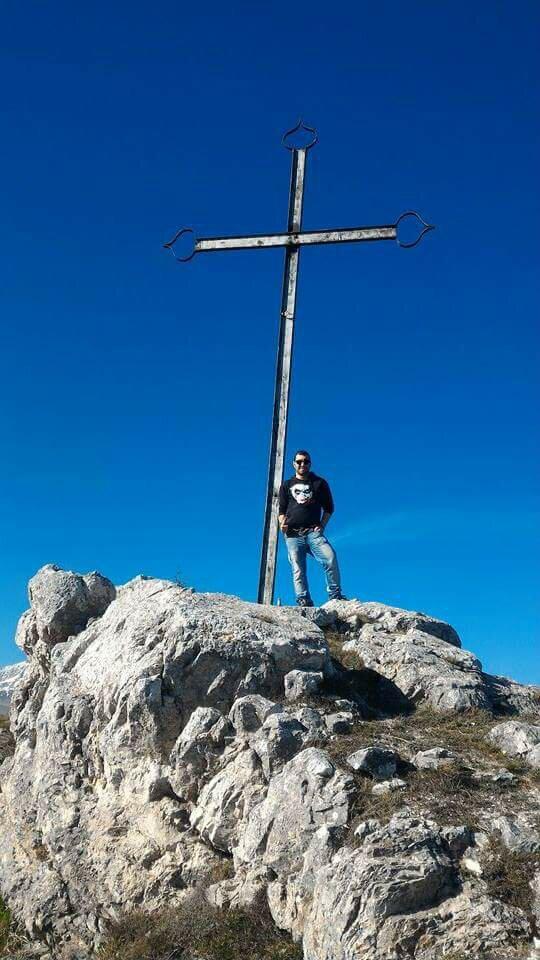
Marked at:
<point>119,731</point>
<point>228,800</point>
<point>198,750</point>
<point>434,759</point>
<point>518,739</point>
<point>388,786</point>
<point>248,713</point>
<point>391,619</point>
<point>399,894</point>
<point>422,657</point>
<point>377,761</point>
<point>309,793</point>
<point>300,684</point>
<point>521,833</point>
<point>339,722</point>
<point>279,738</point>
<point>62,603</point>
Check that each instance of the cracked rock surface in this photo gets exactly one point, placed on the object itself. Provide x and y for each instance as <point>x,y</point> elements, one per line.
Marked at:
<point>165,739</point>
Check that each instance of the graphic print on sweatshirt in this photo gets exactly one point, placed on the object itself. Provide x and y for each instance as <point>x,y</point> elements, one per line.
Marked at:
<point>302,492</point>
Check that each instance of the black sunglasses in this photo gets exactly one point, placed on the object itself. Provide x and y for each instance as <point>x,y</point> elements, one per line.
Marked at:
<point>299,462</point>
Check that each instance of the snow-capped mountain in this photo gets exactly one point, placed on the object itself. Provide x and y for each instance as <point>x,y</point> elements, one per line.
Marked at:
<point>9,676</point>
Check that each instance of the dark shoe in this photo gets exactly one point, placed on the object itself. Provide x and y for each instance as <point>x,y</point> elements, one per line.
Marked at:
<point>303,602</point>
<point>339,596</point>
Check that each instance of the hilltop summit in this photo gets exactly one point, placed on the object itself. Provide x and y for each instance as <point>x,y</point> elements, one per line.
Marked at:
<point>354,771</point>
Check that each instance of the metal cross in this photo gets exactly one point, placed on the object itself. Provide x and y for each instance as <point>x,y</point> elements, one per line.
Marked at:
<point>292,240</point>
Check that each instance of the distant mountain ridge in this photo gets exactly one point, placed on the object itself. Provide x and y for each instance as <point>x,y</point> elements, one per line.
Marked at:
<point>9,677</point>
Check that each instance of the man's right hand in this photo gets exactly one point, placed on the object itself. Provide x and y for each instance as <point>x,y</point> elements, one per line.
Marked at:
<point>284,526</point>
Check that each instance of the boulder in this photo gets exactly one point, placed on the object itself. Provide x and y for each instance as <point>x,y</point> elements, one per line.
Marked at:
<point>399,894</point>
<point>521,833</point>
<point>341,722</point>
<point>376,761</point>
<point>300,684</point>
<point>61,604</point>
<point>226,802</point>
<point>388,786</point>
<point>119,727</point>
<point>279,738</point>
<point>391,619</point>
<point>434,758</point>
<point>518,739</point>
<point>248,713</point>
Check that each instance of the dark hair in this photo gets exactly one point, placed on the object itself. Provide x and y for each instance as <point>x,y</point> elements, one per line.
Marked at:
<point>304,453</point>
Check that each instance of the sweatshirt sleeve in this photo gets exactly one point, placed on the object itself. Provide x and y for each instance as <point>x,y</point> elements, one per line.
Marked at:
<point>325,497</point>
<point>283,498</point>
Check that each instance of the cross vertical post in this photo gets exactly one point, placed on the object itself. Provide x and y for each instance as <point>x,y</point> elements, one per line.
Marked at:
<point>267,572</point>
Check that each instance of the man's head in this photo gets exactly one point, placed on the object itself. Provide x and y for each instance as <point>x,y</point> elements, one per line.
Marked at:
<point>302,463</point>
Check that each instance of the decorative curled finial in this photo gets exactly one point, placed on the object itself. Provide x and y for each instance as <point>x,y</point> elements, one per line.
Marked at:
<point>300,127</point>
<point>171,243</point>
<point>416,216</point>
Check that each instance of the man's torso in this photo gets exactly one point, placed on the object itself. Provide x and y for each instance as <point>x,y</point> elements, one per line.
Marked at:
<point>306,499</point>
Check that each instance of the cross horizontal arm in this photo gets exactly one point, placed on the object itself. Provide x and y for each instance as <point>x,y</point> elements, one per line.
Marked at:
<point>295,239</point>
<point>312,237</point>
<point>299,238</point>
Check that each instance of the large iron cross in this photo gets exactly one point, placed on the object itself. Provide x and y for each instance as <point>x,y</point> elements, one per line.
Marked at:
<point>292,240</point>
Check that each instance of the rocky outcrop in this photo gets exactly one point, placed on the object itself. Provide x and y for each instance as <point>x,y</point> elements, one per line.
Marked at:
<point>166,739</point>
<point>518,739</point>
<point>423,657</point>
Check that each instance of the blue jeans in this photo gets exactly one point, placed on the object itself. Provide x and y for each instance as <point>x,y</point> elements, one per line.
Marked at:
<point>315,543</point>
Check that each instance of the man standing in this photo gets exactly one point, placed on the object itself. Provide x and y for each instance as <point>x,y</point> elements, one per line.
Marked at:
<point>301,500</point>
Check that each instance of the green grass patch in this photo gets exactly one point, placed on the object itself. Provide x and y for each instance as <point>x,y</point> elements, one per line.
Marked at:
<point>5,926</point>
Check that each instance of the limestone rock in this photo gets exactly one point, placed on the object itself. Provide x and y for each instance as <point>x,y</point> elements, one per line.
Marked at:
<point>118,726</point>
<point>248,713</point>
<point>309,793</point>
<point>521,833</point>
<point>300,683</point>
<point>228,800</point>
<point>434,758</point>
<point>398,894</point>
<point>376,761</point>
<point>61,604</point>
<point>518,739</point>
<point>388,786</point>
<point>197,750</point>
<point>339,722</point>
<point>154,751</point>
<point>391,619</point>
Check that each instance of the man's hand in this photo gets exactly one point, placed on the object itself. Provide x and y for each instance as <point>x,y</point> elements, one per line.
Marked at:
<point>283,524</point>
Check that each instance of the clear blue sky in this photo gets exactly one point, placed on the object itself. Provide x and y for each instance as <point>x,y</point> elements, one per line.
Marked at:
<point>136,394</point>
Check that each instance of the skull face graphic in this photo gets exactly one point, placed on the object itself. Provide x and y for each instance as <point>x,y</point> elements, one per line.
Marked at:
<point>302,492</point>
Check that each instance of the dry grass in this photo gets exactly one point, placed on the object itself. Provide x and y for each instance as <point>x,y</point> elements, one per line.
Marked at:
<point>348,658</point>
<point>195,928</point>
<point>450,796</point>
<point>508,875</point>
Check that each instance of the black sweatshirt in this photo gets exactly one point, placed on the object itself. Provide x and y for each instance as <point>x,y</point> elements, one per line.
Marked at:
<point>302,501</point>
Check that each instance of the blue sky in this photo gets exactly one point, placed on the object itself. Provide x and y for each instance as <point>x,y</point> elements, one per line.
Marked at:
<point>136,393</point>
